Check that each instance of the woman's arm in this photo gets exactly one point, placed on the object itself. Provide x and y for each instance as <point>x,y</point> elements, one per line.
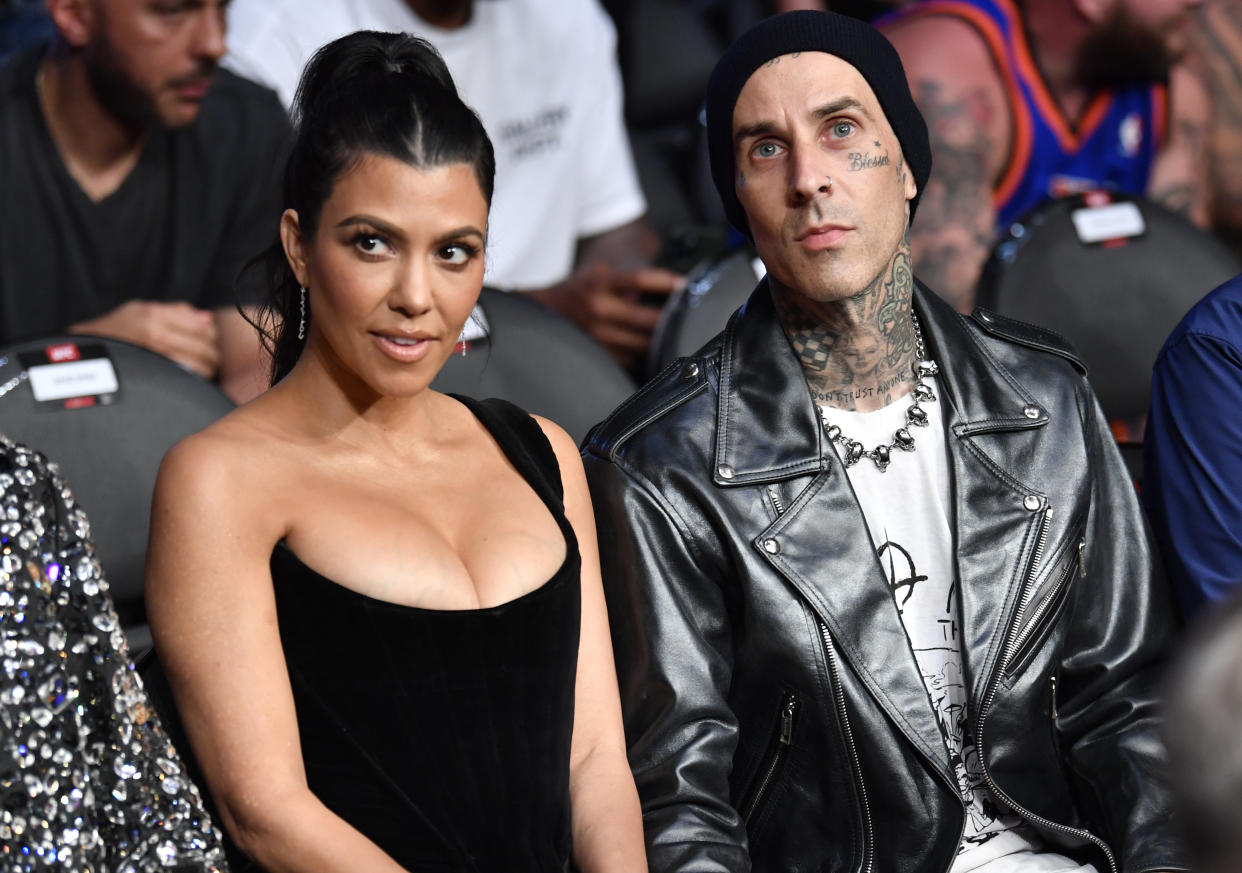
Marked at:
<point>213,615</point>
<point>607,822</point>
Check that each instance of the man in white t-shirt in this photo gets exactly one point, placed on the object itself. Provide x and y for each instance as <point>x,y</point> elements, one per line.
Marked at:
<point>566,220</point>
<point>881,593</point>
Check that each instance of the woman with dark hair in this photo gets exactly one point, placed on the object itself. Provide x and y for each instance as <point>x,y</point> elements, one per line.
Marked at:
<point>380,606</point>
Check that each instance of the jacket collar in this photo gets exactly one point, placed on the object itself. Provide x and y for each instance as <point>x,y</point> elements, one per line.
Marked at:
<point>768,426</point>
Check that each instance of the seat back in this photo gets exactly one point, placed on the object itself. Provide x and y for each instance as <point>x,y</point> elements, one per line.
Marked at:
<point>701,309</point>
<point>106,412</point>
<point>1111,273</point>
<point>541,361</point>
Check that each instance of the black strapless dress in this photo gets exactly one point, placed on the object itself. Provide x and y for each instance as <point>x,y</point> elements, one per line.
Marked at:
<point>443,736</point>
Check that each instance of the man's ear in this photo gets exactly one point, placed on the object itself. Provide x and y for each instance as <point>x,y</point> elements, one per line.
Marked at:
<point>75,20</point>
<point>909,187</point>
<point>292,241</point>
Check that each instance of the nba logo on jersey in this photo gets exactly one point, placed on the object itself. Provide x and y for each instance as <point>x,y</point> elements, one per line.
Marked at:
<point>1130,134</point>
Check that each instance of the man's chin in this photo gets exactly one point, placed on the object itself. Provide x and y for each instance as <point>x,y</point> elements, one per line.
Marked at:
<point>1125,52</point>
<point>178,102</point>
<point>817,291</point>
<point>177,114</point>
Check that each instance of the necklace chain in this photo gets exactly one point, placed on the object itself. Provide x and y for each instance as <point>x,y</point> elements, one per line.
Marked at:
<point>853,451</point>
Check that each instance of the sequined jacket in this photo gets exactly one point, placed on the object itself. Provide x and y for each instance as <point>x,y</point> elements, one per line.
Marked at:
<point>775,715</point>
<point>88,779</point>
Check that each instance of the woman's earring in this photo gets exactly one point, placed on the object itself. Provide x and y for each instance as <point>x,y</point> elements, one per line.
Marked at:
<point>461,341</point>
<point>302,320</point>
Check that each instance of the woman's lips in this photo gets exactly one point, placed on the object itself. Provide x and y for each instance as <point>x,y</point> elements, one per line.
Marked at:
<point>405,349</point>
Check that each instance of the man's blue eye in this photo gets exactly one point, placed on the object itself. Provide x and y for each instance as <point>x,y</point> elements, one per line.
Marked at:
<point>766,149</point>
<point>843,128</point>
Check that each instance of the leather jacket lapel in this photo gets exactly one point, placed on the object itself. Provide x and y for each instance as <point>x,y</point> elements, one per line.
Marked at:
<point>766,424</point>
<point>997,518</point>
<point>823,548</point>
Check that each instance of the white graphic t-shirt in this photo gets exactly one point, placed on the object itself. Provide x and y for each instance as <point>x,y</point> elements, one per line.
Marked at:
<point>909,515</point>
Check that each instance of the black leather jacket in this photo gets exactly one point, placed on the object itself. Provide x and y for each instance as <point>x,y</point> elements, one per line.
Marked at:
<point>775,714</point>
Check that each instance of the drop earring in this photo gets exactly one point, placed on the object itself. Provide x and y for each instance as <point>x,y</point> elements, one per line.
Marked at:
<point>302,309</point>
<point>461,341</point>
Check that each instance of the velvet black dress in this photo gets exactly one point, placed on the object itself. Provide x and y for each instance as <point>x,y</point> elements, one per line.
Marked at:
<point>443,736</point>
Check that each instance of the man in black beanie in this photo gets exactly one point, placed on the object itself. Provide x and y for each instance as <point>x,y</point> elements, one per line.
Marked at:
<point>881,595</point>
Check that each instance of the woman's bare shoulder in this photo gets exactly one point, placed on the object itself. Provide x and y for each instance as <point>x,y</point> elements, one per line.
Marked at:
<point>562,443</point>
<point>235,442</point>
<point>568,457</point>
<point>232,467</point>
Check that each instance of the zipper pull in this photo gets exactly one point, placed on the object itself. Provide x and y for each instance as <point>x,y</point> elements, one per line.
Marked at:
<point>1082,567</point>
<point>787,716</point>
<point>777,503</point>
<point>1054,698</point>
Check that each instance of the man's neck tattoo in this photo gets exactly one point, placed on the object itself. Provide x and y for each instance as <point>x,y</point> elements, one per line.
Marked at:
<point>856,353</point>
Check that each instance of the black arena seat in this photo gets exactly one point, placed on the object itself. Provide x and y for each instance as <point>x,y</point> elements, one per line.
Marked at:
<point>106,412</point>
<point>541,361</point>
<point>1111,273</point>
<point>701,309</point>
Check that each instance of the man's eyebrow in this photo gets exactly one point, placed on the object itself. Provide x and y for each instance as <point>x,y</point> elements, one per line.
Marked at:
<point>827,110</point>
<point>762,128</point>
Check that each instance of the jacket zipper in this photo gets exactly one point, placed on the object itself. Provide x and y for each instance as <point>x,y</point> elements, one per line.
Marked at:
<point>776,501</point>
<point>1045,607</point>
<point>839,691</point>
<point>990,696</point>
<point>1024,597</point>
<point>784,740</point>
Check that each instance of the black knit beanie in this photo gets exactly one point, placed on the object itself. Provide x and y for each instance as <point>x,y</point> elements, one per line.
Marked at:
<point>853,41</point>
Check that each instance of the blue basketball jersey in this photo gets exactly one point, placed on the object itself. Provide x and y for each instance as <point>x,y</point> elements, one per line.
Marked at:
<point>1113,145</point>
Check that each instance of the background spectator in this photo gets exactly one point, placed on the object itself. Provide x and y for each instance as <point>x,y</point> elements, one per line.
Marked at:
<point>1193,450</point>
<point>1030,100</point>
<point>1217,46</point>
<point>138,180</point>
